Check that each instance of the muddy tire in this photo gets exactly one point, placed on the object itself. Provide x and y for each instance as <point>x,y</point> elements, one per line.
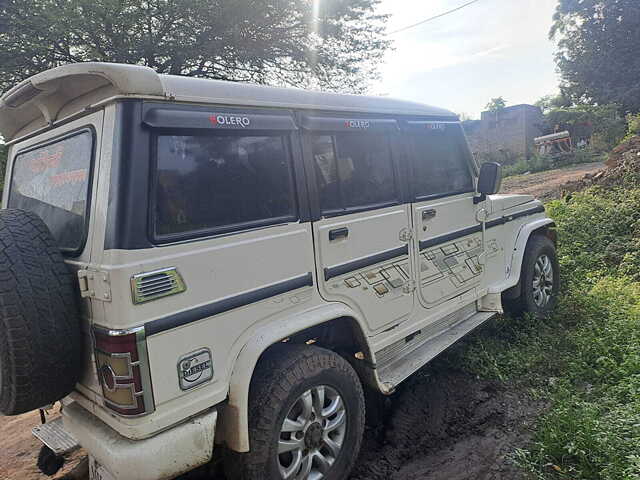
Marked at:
<point>307,403</point>
<point>539,280</point>
<point>40,337</point>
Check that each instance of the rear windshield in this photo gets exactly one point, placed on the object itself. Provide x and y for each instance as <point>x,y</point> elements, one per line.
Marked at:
<point>53,182</point>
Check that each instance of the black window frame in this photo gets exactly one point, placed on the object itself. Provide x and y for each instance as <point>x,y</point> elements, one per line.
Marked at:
<point>399,191</point>
<point>89,128</point>
<point>412,158</point>
<point>163,239</point>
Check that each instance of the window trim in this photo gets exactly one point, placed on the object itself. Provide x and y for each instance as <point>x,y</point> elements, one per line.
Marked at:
<point>90,129</point>
<point>415,197</point>
<point>395,167</point>
<point>224,230</point>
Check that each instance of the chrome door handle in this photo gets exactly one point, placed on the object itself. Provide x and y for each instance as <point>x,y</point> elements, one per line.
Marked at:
<point>428,214</point>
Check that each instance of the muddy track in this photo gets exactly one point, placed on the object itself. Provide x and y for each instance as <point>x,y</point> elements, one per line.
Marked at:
<point>548,185</point>
<point>448,425</point>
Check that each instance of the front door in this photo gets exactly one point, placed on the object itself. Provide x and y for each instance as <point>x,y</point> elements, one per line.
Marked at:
<point>362,236</point>
<point>448,235</point>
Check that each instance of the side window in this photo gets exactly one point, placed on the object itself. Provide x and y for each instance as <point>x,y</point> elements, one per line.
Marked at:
<point>354,171</point>
<point>440,163</point>
<point>222,183</point>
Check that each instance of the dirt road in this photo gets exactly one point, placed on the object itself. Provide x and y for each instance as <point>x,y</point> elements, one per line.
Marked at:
<point>441,425</point>
<point>546,185</point>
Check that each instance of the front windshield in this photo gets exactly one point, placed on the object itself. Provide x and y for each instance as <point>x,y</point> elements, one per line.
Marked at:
<point>53,182</point>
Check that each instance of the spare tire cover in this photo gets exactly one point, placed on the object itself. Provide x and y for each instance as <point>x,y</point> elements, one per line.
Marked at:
<point>40,335</point>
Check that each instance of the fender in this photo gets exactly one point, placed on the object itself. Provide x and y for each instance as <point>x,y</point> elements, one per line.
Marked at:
<point>522,238</point>
<point>234,420</point>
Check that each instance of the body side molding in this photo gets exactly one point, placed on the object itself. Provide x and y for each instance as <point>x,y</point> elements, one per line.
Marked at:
<point>198,313</point>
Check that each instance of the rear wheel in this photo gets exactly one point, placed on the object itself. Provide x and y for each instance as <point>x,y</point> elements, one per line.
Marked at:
<point>306,417</point>
<point>539,280</point>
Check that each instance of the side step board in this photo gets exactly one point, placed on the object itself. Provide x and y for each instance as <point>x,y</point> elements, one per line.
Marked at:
<point>54,436</point>
<point>393,373</point>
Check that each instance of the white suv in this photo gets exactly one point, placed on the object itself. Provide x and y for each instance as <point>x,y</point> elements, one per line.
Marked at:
<point>194,266</point>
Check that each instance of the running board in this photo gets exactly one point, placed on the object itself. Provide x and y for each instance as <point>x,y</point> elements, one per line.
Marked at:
<point>393,373</point>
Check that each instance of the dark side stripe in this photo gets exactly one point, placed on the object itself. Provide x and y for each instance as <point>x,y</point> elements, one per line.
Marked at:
<point>432,242</point>
<point>338,270</point>
<point>198,313</point>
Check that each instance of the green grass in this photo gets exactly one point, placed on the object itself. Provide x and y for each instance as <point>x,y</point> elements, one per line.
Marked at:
<point>586,359</point>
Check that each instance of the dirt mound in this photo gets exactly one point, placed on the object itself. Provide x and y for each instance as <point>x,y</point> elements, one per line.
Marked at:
<point>449,425</point>
<point>623,166</point>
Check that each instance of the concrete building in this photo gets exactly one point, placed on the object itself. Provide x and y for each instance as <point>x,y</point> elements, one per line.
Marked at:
<point>506,134</point>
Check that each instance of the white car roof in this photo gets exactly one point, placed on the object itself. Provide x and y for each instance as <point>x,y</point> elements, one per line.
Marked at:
<point>69,90</point>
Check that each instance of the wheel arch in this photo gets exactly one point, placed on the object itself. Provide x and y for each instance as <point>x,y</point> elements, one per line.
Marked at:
<point>325,326</point>
<point>544,227</point>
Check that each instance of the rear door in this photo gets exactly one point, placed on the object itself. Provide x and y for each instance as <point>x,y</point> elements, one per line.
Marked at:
<point>448,234</point>
<point>55,175</point>
<point>362,233</point>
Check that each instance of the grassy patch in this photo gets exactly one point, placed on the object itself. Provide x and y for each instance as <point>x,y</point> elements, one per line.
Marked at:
<point>586,359</point>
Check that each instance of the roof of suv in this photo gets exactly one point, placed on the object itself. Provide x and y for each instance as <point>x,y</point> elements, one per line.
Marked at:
<point>68,90</point>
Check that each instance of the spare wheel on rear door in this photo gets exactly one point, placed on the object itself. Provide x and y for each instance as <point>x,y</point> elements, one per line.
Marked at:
<point>40,335</point>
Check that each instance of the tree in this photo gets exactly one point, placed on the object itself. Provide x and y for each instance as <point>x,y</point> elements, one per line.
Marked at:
<point>551,102</point>
<point>598,51</point>
<point>496,104</point>
<point>332,44</point>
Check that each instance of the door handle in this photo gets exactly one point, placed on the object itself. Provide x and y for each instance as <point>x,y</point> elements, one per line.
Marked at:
<point>338,233</point>
<point>428,214</point>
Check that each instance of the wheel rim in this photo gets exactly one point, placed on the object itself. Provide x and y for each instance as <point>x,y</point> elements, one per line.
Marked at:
<point>542,281</point>
<point>312,434</point>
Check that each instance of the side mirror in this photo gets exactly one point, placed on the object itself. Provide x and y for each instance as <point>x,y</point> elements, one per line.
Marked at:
<point>490,179</point>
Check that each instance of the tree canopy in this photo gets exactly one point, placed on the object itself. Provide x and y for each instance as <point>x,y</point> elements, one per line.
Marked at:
<point>598,51</point>
<point>330,44</point>
<point>496,104</point>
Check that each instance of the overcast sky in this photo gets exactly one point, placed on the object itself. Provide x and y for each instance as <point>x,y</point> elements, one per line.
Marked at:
<point>489,49</point>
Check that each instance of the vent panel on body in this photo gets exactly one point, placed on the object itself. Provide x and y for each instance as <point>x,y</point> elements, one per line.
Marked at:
<point>157,284</point>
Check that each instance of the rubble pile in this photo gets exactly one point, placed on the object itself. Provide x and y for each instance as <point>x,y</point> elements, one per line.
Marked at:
<point>623,166</point>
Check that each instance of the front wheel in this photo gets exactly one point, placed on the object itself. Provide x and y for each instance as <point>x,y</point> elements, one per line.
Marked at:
<point>539,280</point>
<point>306,417</point>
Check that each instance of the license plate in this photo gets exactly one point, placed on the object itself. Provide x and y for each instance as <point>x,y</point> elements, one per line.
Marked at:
<point>98,472</point>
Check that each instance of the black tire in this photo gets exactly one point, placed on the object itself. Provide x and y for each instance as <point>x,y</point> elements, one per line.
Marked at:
<point>40,336</point>
<point>281,378</point>
<point>537,247</point>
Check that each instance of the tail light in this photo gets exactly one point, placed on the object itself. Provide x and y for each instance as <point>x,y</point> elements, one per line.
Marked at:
<point>123,370</point>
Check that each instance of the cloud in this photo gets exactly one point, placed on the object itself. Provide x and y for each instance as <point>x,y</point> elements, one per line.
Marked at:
<point>491,48</point>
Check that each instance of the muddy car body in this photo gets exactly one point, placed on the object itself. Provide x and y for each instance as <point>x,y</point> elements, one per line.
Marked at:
<point>247,261</point>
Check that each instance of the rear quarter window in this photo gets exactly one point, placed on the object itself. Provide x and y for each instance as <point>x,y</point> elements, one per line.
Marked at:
<point>208,184</point>
<point>52,181</point>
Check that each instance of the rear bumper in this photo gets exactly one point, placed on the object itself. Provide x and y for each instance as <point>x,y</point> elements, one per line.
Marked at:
<point>163,456</point>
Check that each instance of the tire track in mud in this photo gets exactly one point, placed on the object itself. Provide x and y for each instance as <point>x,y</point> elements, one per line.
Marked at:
<point>449,425</point>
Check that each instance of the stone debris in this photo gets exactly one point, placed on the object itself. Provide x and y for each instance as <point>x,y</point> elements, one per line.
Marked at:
<point>623,165</point>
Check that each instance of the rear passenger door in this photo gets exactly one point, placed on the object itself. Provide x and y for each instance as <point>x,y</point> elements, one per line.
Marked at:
<point>362,223</point>
<point>448,234</point>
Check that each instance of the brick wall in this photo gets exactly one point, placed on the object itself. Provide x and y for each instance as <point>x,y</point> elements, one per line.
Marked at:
<point>507,133</point>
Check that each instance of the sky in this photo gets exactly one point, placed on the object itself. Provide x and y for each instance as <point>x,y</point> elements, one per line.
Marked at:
<point>461,61</point>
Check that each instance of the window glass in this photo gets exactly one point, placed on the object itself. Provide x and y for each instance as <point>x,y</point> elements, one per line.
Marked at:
<point>439,162</point>
<point>362,175</point>
<point>53,182</point>
<point>222,182</point>
<point>326,172</point>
